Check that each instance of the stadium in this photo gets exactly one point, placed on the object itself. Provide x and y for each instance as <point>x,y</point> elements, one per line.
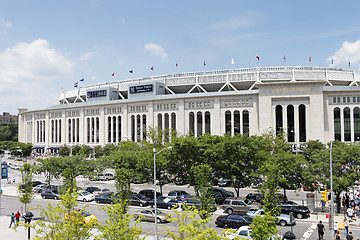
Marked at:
<point>307,103</point>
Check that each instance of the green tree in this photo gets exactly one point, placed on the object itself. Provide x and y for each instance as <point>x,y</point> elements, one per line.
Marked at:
<point>64,151</point>
<point>191,227</point>
<point>25,188</point>
<point>51,168</point>
<point>9,132</point>
<point>61,222</point>
<point>264,227</point>
<point>118,224</point>
<point>202,187</point>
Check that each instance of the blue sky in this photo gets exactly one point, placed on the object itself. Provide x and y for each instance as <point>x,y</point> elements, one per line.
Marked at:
<point>47,46</point>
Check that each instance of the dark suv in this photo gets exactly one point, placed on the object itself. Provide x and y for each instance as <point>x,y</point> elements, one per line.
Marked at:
<point>149,193</point>
<point>298,211</point>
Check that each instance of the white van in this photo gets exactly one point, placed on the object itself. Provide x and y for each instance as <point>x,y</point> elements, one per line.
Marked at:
<point>105,176</point>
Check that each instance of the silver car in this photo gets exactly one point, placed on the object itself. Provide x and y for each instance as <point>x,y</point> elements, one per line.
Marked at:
<point>282,220</point>
<point>149,215</point>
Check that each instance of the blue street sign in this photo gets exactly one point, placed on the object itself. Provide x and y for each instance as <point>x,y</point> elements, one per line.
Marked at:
<point>182,197</point>
<point>4,171</point>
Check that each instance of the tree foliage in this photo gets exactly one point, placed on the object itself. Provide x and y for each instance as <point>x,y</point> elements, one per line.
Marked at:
<point>25,188</point>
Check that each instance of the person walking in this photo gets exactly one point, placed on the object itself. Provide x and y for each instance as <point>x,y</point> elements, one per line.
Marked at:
<point>17,218</point>
<point>336,228</point>
<point>346,229</point>
<point>337,235</point>
<point>12,220</point>
<point>350,236</point>
<point>321,229</point>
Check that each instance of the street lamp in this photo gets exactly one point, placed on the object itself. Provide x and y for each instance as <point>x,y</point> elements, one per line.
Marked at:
<point>28,217</point>
<point>155,201</point>
<point>331,188</point>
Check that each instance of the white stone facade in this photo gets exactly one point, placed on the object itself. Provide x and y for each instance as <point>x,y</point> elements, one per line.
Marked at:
<point>308,103</point>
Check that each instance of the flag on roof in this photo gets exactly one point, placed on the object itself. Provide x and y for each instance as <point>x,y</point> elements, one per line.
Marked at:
<point>332,61</point>
<point>81,80</point>
<point>113,74</point>
<point>232,61</point>
<point>284,58</point>
<point>131,71</point>
<point>152,68</point>
<point>76,84</point>
<point>204,63</point>
<point>176,64</point>
<point>349,63</point>
<point>258,58</point>
<point>310,59</point>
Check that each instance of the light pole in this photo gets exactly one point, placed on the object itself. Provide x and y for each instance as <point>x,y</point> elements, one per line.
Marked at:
<point>155,202</point>
<point>331,188</point>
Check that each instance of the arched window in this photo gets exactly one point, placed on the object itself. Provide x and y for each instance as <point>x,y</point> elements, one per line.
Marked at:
<point>138,128</point>
<point>73,130</point>
<point>191,123</point>
<point>133,128</point>
<point>227,122</point>
<point>109,129</point>
<point>173,121</point>
<point>356,124</point>
<point>347,125</point>
<point>88,129</point>
<point>279,118</point>
<point>199,123</point>
<point>159,121</point>
<point>113,129</point>
<point>59,130</point>
<point>246,122</point>
<point>69,132</point>
<point>207,122</point>
<point>144,125</point>
<point>337,124</point>
<point>52,130</point>
<point>290,123</point>
<point>119,128</point>
<point>97,120</point>
<point>77,130</point>
<point>236,122</point>
<point>302,123</point>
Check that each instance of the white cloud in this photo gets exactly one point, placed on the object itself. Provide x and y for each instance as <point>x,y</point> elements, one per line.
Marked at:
<point>155,49</point>
<point>6,24</point>
<point>28,73</point>
<point>245,20</point>
<point>349,51</point>
<point>86,56</point>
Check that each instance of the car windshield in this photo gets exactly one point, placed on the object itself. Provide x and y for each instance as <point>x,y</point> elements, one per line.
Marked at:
<point>85,214</point>
<point>247,218</point>
<point>86,193</point>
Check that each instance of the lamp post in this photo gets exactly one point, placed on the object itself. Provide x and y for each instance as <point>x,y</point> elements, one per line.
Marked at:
<point>28,217</point>
<point>155,201</point>
<point>331,188</point>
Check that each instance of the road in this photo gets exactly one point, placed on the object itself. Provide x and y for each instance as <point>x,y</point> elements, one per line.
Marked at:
<point>304,229</point>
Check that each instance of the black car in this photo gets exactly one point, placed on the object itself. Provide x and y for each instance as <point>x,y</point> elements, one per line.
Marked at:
<point>149,193</point>
<point>297,210</point>
<point>254,197</point>
<point>50,194</point>
<point>105,198</point>
<point>161,202</point>
<point>91,189</point>
<point>233,221</point>
<point>139,200</point>
<point>223,192</point>
<point>176,194</point>
<point>218,198</point>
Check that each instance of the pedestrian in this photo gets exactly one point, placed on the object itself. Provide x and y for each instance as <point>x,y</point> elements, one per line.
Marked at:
<point>321,229</point>
<point>12,220</point>
<point>350,213</point>
<point>336,228</point>
<point>346,230</point>
<point>350,236</point>
<point>337,235</point>
<point>17,218</point>
<point>323,203</point>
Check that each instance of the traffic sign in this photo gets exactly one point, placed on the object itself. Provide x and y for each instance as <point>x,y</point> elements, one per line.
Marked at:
<point>182,197</point>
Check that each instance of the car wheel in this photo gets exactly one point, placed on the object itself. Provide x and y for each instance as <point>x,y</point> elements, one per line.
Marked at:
<point>229,211</point>
<point>226,225</point>
<point>43,197</point>
<point>158,220</point>
<point>169,207</point>
<point>84,200</point>
<point>282,223</point>
<point>299,215</point>
<point>141,204</point>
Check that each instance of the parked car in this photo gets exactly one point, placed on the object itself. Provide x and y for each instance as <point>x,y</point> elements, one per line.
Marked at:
<point>149,193</point>
<point>218,197</point>
<point>39,188</point>
<point>86,217</point>
<point>163,202</point>
<point>139,200</point>
<point>86,197</point>
<point>149,215</point>
<point>282,220</point>
<point>222,191</point>
<point>224,182</point>
<point>104,190</point>
<point>50,194</point>
<point>106,176</point>
<point>298,211</point>
<point>231,205</point>
<point>243,232</point>
<point>254,197</point>
<point>175,194</point>
<point>107,198</point>
<point>233,220</point>
<point>91,189</point>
